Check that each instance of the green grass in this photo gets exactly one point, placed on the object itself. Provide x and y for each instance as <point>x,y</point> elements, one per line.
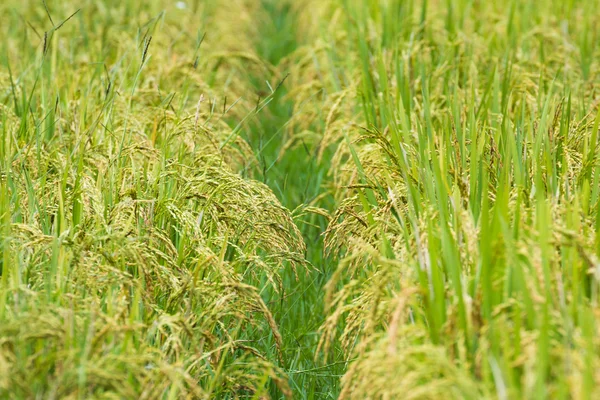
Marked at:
<point>321,199</point>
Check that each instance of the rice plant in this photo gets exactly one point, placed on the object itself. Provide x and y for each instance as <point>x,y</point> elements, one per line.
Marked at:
<point>467,222</point>
<point>350,199</point>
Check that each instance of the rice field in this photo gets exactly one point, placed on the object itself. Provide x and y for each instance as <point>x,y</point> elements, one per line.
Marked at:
<point>317,199</point>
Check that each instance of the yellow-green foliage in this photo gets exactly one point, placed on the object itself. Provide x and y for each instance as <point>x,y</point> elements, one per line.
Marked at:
<point>467,175</point>
<point>143,258</point>
<point>133,253</point>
